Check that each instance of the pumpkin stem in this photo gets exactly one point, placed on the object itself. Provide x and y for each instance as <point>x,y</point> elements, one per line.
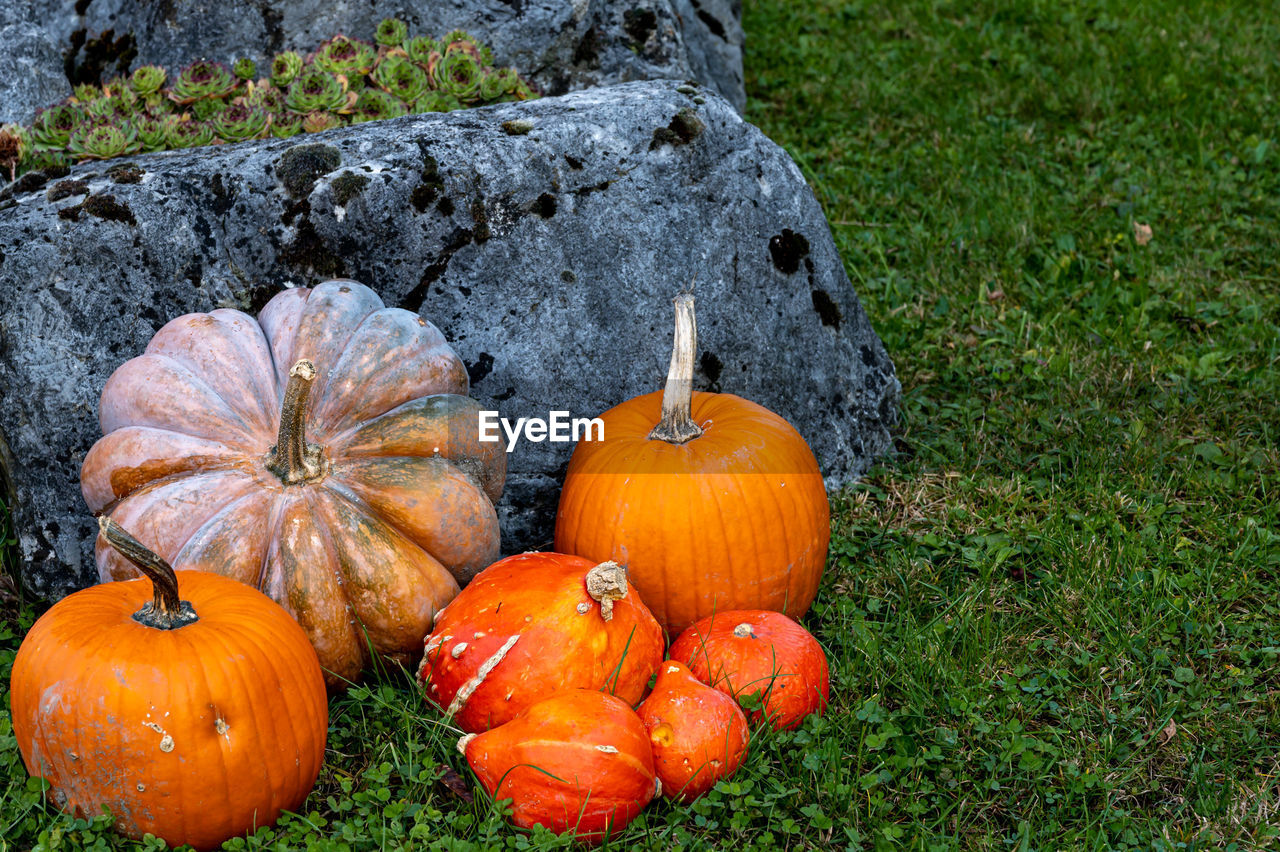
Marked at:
<point>292,458</point>
<point>606,583</point>
<point>676,425</point>
<point>744,631</point>
<point>165,611</point>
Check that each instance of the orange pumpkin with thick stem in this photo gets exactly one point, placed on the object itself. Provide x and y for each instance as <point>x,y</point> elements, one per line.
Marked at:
<point>576,761</point>
<point>196,720</point>
<point>698,734</point>
<point>325,454</point>
<point>533,624</point>
<point>754,651</point>
<point>711,501</point>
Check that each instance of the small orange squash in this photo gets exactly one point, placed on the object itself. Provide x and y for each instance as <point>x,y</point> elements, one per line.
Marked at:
<point>711,501</point>
<point>699,735</point>
<point>577,761</point>
<point>194,720</point>
<point>350,487</point>
<point>533,624</point>
<point>745,652</point>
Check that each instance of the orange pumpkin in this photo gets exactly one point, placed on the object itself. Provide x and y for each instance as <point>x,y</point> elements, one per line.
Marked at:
<point>577,761</point>
<point>194,720</point>
<point>698,734</point>
<point>711,501</point>
<point>534,624</point>
<point>744,652</point>
<point>351,488</point>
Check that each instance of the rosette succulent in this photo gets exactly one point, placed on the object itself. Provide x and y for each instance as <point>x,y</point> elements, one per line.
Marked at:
<point>245,68</point>
<point>342,55</point>
<point>103,141</point>
<point>53,126</point>
<point>110,109</point>
<point>391,32</point>
<point>314,122</point>
<point>147,80</point>
<point>153,131</point>
<point>375,105</point>
<point>87,93</point>
<point>459,41</point>
<point>239,122</point>
<point>285,67</point>
<point>207,108</point>
<point>286,124</point>
<point>266,97</point>
<point>202,80</point>
<point>421,49</point>
<point>189,134</point>
<point>399,76</point>
<point>317,90</point>
<point>436,102</point>
<point>459,73</point>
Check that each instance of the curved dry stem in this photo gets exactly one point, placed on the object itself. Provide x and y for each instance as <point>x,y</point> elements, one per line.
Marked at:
<point>166,611</point>
<point>292,458</point>
<point>676,425</point>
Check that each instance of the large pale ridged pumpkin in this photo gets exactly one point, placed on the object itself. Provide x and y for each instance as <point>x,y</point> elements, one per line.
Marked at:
<point>325,453</point>
<point>711,501</point>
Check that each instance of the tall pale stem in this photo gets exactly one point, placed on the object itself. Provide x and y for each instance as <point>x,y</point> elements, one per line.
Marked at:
<point>676,425</point>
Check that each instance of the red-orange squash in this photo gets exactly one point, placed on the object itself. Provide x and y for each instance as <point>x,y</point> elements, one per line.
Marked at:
<point>534,624</point>
<point>744,652</point>
<point>325,453</point>
<point>576,761</point>
<point>698,734</point>
<point>195,720</point>
<point>711,501</point>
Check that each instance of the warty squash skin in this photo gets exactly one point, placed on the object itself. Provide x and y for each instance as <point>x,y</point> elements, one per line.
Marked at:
<point>698,734</point>
<point>325,453</point>
<point>743,652</point>
<point>534,624</point>
<point>577,761</point>
<point>711,501</point>
<point>195,733</point>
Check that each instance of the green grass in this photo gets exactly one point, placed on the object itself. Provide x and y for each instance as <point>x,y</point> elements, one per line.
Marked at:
<point>1054,617</point>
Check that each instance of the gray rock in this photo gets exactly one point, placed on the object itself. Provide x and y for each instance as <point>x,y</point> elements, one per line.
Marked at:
<point>32,70</point>
<point>548,258</point>
<point>713,33</point>
<point>563,46</point>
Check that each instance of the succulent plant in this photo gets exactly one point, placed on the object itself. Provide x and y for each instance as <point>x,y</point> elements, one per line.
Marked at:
<point>319,120</point>
<point>13,148</point>
<point>53,126</point>
<point>206,109</point>
<point>208,103</point>
<point>343,55</point>
<point>317,90</point>
<point>459,74</point>
<point>399,76</point>
<point>286,124</point>
<point>461,41</point>
<point>189,134</point>
<point>238,123</point>
<point>265,96</point>
<point>101,141</point>
<point>421,48</point>
<point>285,67</point>
<point>153,131</point>
<point>375,105</point>
<point>245,68</point>
<point>147,79</point>
<point>110,109</point>
<point>392,32</point>
<point>202,80</point>
<point>436,102</point>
